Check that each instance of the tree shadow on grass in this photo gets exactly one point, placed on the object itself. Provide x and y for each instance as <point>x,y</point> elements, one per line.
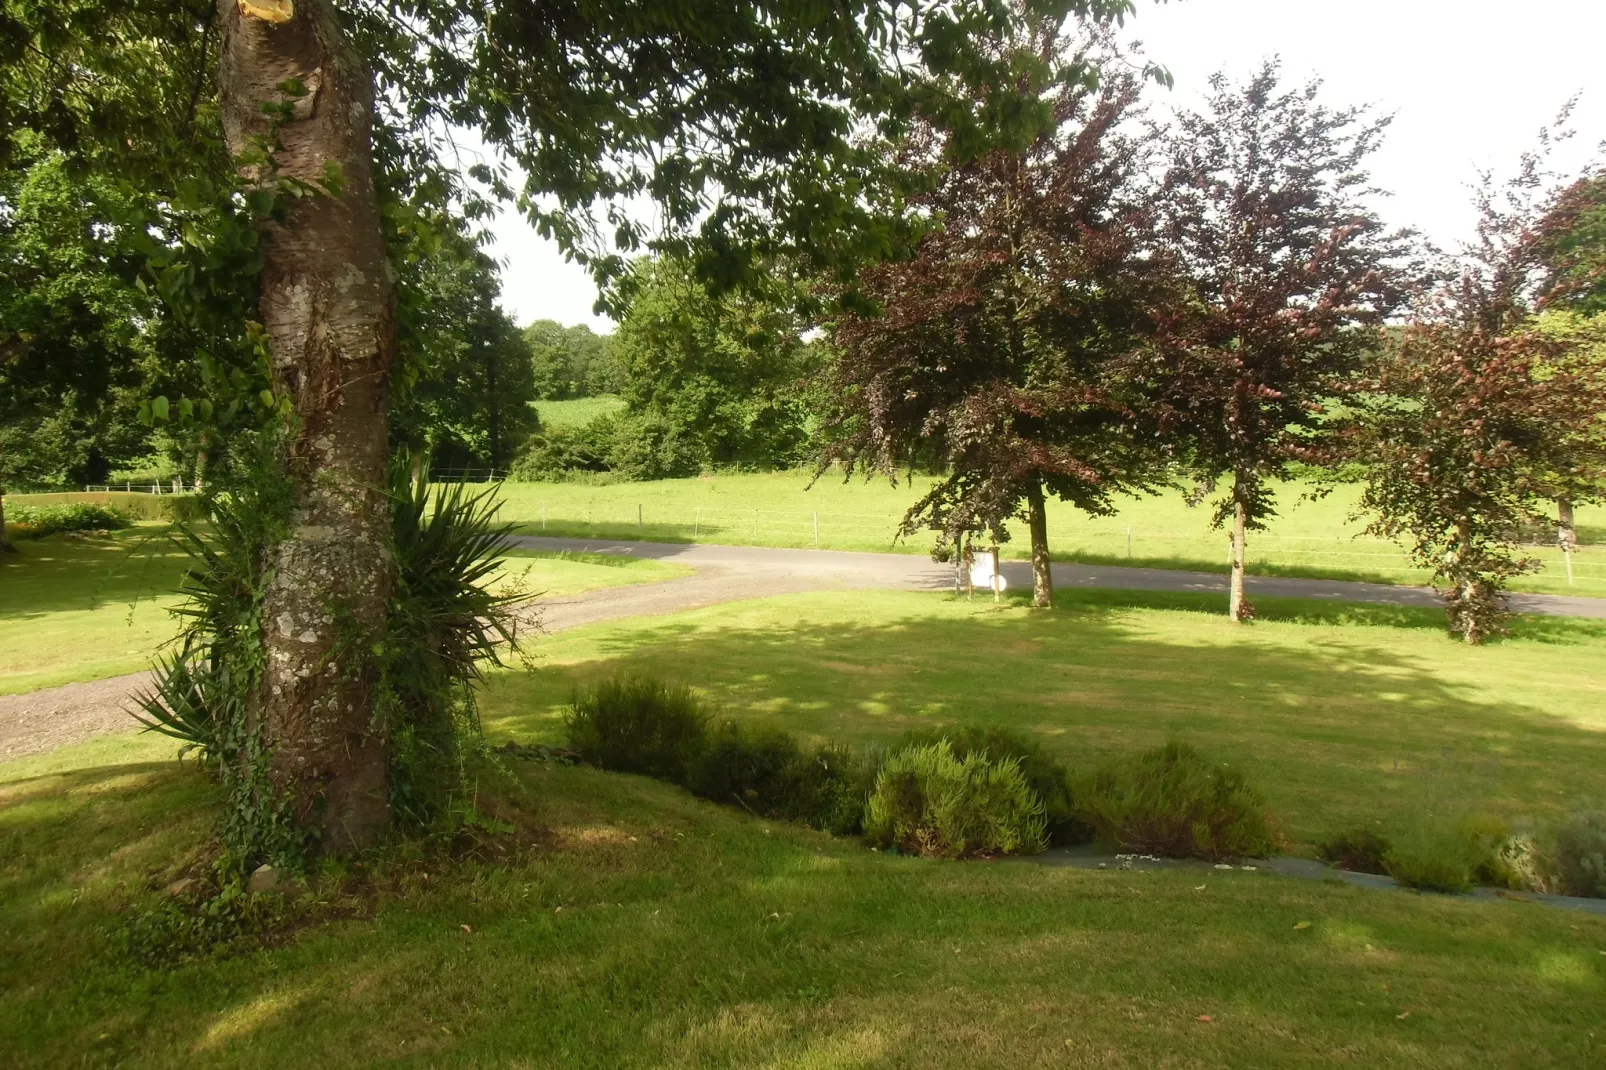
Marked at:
<point>61,573</point>
<point>1335,725</point>
<point>1533,627</point>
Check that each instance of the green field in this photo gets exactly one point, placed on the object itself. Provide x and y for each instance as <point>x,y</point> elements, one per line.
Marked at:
<point>1317,538</point>
<point>1342,714</point>
<point>76,609</point>
<point>577,412</point>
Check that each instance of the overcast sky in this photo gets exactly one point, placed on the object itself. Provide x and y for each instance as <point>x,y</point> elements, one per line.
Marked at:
<point>1470,83</point>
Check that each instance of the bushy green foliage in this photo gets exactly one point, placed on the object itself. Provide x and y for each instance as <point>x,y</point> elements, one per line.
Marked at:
<point>639,725</point>
<point>1433,860</point>
<point>1581,854</point>
<point>37,521</point>
<point>557,453</point>
<point>769,774</point>
<point>1359,850</point>
<point>1171,801</point>
<point>1047,777</point>
<point>929,801</point>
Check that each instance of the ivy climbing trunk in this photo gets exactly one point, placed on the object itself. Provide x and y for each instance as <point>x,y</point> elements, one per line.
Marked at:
<point>288,73</point>
<point>1042,565</point>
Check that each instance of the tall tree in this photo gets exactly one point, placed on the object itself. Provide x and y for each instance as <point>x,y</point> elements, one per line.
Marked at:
<point>1265,206</point>
<point>710,379</point>
<point>465,378</point>
<point>993,352</point>
<point>777,106</point>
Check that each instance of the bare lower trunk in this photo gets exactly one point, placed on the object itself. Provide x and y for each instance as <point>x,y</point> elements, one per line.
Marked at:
<point>328,308</point>
<point>5,540</point>
<point>1237,605</point>
<point>1566,531</point>
<point>201,457</point>
<point>1042,566</point>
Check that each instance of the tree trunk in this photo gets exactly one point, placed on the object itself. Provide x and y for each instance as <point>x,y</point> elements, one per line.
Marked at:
<point>1238,607</point>
<point>1566,531</point>
<point>202,452</point>
<point>1042,567</point>
<point>5,540</point>
<point>328,308</point>
<point>418,465</point>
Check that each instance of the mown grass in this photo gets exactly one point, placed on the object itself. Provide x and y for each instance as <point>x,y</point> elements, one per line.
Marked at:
<point>577,412</point>
<point>642,928</point>
<point>1318,538</point>
<point>74,609</point>
<point>1342,714</point>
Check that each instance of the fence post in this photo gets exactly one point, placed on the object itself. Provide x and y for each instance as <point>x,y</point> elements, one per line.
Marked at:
<point>639,523</point>
<point>1567,552</point>
<point>543,516</point>
<point>1129,542</point>
<point>697,522</point>
<point>816,529</point>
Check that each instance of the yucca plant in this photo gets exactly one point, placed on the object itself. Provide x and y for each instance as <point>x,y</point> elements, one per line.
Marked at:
<point>446,625</point>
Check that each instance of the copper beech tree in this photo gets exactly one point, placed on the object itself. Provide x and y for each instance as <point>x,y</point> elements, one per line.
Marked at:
<point>991,354</point>
<point>1485,413</point>
<point>1290,278</point>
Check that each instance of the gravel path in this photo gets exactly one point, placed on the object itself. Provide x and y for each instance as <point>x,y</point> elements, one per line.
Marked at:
<point>44,720</point>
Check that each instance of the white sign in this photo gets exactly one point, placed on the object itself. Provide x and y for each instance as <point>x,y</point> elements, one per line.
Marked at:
<point>984,571</point>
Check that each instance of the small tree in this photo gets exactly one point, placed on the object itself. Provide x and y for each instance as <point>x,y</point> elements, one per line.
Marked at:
<point>992,352</point>
<point>1291,274</point>
<point>1484,413</point>
<point>1456,444</point>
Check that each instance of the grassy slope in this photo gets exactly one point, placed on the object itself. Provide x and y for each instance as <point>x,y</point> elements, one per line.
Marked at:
<point>650,929</point>
<point>84,609</point>
<point>577,412</point>
<point>1309,538</point>
<point>1341,714</point>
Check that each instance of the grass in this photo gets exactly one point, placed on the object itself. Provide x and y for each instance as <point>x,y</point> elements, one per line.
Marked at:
<point>642,928</point>
<point>1314,538</point>
<point>577,412</point>
<point>85,609</point>
<point>1342,714</point>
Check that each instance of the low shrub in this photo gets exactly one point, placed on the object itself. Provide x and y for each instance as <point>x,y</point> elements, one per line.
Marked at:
<point>638,725</point>
<point>765,771</point>
<point>37,521</point>
<point>1360,850</point>
<point>1518,863</point>
<point>1170,801</point>
<point>1046,776</point>
<point>1434,861</point>
<point>1581,854</point>
<point>929,801</point>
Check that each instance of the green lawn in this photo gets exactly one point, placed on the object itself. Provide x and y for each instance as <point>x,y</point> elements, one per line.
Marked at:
<point>83,609</point>
<point>577,412</point>
<point>1315,538</point>
<point>637,927</point>
<point>1341,715</point>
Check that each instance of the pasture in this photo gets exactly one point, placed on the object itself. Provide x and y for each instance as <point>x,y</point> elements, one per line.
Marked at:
<point>1318,537</point>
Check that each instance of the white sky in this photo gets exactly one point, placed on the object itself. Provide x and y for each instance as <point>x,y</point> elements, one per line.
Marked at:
<point>1470,83</point>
